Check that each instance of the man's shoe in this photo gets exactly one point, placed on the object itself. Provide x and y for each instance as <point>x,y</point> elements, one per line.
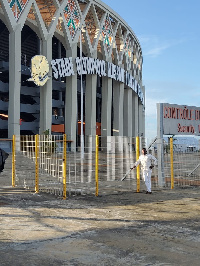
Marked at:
<point>147,192</point>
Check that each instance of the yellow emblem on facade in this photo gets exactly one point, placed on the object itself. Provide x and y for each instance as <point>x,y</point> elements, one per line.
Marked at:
<point>39,70</point>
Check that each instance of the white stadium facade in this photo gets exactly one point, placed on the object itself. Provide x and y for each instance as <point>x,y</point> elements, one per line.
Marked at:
<point>94,77</point>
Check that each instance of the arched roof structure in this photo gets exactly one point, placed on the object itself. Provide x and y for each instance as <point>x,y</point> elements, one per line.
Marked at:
<point>104,35</point>
<point>102,28</point>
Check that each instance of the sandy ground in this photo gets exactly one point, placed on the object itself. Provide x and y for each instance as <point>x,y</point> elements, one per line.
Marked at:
<point>117,229</point>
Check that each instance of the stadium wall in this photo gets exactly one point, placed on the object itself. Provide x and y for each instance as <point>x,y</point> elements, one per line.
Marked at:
<point>62,29</point>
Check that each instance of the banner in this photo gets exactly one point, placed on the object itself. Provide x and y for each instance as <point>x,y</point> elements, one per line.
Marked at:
<point>179,119</point>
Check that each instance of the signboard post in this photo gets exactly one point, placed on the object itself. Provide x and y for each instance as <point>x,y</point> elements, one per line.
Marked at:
<point>160,150</point>
<point>173,119</point>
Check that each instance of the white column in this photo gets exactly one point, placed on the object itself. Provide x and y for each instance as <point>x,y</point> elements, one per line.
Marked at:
<point>160,150</point>
<point>106,106</point>
<point>60,99</point>
<point>141,119</point>
<point>14,82</point>
<point>118,103</point>
<point>135,116</point>
<point>128,112</point>
<point>143,113</point>
<point>71,103</point>
<point>90,107</point>
<point>46,91</point>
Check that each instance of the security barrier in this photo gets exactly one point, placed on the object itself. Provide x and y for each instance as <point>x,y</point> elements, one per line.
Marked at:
<point>181,163</point>
<point>44,155</point>
<point>47,163</point>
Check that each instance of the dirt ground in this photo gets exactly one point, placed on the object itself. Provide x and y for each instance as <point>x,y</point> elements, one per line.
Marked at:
<point>127,228</point>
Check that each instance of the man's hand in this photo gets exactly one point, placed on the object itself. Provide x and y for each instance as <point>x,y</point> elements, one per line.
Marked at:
<point>132,167</point>
<point>151,167</point>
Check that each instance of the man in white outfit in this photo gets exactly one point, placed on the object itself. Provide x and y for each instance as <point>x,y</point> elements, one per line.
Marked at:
<point>147,162</point>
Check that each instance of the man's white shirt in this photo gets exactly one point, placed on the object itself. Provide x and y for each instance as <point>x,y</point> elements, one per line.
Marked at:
<point>146,161</point>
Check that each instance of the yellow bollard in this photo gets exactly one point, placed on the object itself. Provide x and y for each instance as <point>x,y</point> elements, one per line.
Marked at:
<point>36,165</point>
<point>172,163</point>
<point>97,166</point>
<point>13,160</point>
<point>137,157</point>
<point>64,166</point>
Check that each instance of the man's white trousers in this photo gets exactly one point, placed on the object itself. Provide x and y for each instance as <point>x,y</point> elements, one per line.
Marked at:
<point>147,179</point>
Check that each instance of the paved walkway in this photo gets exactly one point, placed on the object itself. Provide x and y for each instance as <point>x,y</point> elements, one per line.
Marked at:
<point>118,229</point>
<point>124,228</point>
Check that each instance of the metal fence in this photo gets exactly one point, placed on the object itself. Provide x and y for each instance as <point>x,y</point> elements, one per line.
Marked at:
<point>45,154</point>
<point>48,163</point>
<point>186,167</point>
<point>181,164</point>
<point>40,164</point>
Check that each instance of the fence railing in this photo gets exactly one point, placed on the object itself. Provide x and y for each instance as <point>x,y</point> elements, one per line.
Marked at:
<point>181,164</point>
<point>47,163</point>
<point>186,170</point>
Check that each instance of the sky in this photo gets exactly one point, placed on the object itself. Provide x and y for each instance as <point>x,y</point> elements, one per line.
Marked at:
<point>169,35</point>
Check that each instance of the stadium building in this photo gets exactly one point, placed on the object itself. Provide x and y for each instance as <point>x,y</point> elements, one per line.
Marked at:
<point>94,77</point>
